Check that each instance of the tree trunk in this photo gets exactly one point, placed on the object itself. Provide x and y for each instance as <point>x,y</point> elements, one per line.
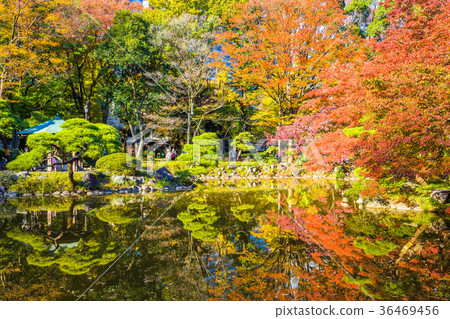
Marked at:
<point>2,83</point>
<point>190,116</point>
<point>290,156</point>
<point>279,150</point>
<point>140,149</point>
<point>87,108</point>
<point>49,162</point>
<point>421,181</point>
<point>70,171</point>
<point>15,139</point>
<point>405,248</point>
<point>168,152</point>
<point>105,114</point>
<point>5,145</point>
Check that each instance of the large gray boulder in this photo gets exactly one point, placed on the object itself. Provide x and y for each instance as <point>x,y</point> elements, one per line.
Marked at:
<point>119,180</point>
<point>164,173</point>
<point>378,203</point>
<point>11,195</point>
<point>90,180</point>
<point>441,195</point>
<point>151,182</point>
<point>23,174</point>
<point>139,180</point>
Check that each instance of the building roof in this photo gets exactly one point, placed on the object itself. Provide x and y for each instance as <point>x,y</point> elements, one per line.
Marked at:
<point>52,126</point>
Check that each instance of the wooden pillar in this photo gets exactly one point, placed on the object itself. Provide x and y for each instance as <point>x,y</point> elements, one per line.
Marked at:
<point>289,151</point>
<point>49,219</point>
<point>75,164</point>
<point>74,216</point>
<point>32,219</point>
<point>49,162</point>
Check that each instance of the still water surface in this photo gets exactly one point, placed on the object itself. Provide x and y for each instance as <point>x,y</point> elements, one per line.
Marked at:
<point>272,241</point>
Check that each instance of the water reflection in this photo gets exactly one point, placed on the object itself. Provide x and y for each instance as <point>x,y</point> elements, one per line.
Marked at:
<point>292,241</point>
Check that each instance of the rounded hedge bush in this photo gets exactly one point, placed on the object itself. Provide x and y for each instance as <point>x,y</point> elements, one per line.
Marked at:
<point>118,164</point>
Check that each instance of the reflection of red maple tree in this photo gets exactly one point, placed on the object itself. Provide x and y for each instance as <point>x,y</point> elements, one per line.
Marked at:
<point>314,258</point>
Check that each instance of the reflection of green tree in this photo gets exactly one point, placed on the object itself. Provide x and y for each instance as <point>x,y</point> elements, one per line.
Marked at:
<point>369,225</point>
<point>243,212</point>
<point>80,259</point>
<point>393,288</point>
<point>48,203</point>
<point>117,214</point>
<point>7,211</point>
<point>76,260</point>
<point>303,197</point>
<point>399,230</point>
<point>378,248</point>
<point>199,218</point>
<point>5,257</point>
<point>42,259</point>
<point>37,242</point>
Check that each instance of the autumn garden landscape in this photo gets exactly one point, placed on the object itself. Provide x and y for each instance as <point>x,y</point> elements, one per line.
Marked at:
<point>224,150</point>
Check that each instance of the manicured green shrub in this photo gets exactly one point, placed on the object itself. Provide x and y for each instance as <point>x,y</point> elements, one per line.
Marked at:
<point>198,170</point>
<point>46,183</point>
<point>162,183</point>
<point>207,148</point>
<point>173,166</point>
<point>118,164</point>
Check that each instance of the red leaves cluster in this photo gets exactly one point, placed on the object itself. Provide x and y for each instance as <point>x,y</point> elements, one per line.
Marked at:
<point>105,10</point>
<point>280,47</point>
<point>400,98</point>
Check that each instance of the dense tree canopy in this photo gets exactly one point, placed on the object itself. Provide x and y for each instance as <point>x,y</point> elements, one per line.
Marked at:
<point>274,50</point>
<point>371,95</point>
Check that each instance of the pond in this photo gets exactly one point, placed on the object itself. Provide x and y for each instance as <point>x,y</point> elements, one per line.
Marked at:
<point>289,240</point>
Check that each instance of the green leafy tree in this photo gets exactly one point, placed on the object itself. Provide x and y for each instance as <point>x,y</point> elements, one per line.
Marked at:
<point>77,139</point>
<point>206,150</point>
<point>380,23</point>
<point>9,124</point>
<point>242,142</point>
<point>370,15</point>
<point>186,44</point>
<point>172,8</point>
<point>136,89</point>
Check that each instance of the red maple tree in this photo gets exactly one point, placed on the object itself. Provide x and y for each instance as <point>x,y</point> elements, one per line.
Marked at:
<point>390,113</point>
